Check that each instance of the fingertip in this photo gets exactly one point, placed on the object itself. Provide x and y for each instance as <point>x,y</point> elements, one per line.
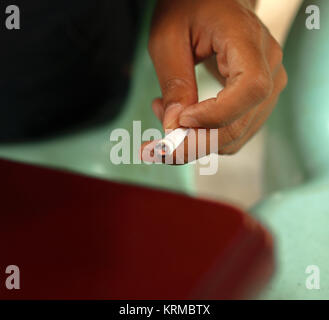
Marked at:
<point>171,116</point>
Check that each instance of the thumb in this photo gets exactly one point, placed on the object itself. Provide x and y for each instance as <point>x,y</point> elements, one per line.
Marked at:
<point>174,64</point>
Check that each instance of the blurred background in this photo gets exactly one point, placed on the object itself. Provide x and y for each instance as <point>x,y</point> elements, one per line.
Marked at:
<point>85,147</point>
<point>283,169</point>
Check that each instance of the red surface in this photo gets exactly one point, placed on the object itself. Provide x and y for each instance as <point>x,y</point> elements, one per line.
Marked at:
<point>75,237</point>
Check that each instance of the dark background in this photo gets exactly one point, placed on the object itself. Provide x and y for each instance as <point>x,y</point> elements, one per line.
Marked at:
<point>68,64</point>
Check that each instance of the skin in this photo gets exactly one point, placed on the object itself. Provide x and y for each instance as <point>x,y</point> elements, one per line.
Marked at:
<point>237,49</point>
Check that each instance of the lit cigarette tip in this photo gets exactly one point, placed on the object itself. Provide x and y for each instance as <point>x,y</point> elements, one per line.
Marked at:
<point>171,142</point>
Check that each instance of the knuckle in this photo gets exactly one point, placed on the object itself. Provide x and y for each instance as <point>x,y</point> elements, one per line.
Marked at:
<point>261,85</point>
<point>249,18</point>
<point>178,90</point>
<point>284,79</point>
<point>281,80</point>
<point>276,53</point>
<point>257,26</point>
<point>175,83</point>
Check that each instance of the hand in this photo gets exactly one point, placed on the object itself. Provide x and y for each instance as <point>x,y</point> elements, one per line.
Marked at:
<point>237,49</point>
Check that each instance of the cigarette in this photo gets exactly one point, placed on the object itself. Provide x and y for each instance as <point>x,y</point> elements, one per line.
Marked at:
<point>171,142</point>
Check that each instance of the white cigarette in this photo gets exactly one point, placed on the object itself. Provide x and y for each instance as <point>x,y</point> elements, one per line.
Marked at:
<point>171,142</point>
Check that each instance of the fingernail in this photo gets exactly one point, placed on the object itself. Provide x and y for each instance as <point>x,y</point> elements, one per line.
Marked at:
<point>189,122</point>
<point>171,115</point>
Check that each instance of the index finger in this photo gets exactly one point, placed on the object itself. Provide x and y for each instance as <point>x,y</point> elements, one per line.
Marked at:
<point>248,83</point>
